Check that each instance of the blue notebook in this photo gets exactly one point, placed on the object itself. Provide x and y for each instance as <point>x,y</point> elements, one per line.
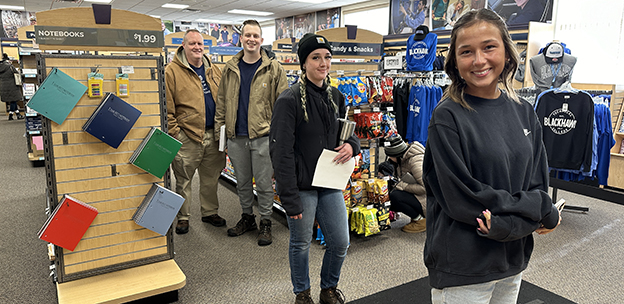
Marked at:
<point>158,209</point>
<point>112,120</point>
<point>57,96</point>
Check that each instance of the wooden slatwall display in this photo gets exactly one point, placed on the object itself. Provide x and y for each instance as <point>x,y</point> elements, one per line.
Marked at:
<point>116,261</point>
<point>82,166</point>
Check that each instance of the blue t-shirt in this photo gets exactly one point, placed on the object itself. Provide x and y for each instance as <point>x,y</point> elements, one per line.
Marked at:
<point>235,38</point>
<point>208,100</point>
<point>224,36</point>
<point>421,53</point>
<point>247,72</point>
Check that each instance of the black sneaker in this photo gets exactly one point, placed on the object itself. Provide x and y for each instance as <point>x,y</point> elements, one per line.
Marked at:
<point>182,226</point>
<point>20,116</point>
<point>332,295</point>
<point>264,236</point>
<point>214,220</point>
<point>10,116</point>
<point>304,297</point>
<point>246,223</point>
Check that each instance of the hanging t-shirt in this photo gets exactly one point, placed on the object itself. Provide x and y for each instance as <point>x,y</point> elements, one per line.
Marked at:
<point>208,99</point>
<point>247,73</point>
<point>401,103</point>
<point>417,98</point>
<point>568,127</point>
<point>421,54</point>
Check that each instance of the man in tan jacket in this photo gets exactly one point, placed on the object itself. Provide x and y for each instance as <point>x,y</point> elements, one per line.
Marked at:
<point>191,84</point>
<point>250,85</point>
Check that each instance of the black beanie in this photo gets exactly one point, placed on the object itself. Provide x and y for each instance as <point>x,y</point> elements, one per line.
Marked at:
<point>308,43</point>
<point>396,146</point>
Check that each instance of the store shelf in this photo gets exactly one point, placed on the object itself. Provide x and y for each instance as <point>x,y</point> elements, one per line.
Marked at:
<point>124,285</point>
<point>232,180</point>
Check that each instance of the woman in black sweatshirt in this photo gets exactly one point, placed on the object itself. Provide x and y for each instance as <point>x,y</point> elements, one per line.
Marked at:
<point>485,171</point>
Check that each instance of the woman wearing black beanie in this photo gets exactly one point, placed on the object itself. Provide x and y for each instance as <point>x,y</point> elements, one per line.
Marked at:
<point>304,122</point>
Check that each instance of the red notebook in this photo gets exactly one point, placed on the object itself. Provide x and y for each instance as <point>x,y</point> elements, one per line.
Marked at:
<point>68,223</point>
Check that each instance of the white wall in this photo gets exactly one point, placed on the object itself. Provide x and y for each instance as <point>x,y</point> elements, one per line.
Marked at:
<point>268,33</point>
<point>376,20</point>
<point>593,31</point>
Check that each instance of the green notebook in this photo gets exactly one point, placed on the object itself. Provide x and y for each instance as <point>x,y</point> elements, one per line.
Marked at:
<point>156,152</point>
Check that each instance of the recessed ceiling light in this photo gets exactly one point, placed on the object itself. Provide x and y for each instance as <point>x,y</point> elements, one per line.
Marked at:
<point>246,12</point>
<point>311,1</point>
<point>155,16</point>
<point>12,7</point>
<point>99,1</point>
<point>178,6</point>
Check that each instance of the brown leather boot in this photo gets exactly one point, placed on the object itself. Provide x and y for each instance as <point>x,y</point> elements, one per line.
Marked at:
<point>415,226</point>
<point>332,295</point>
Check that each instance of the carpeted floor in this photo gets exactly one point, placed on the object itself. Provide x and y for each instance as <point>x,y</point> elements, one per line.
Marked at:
<point>420,289</point>
<point>580,261</point>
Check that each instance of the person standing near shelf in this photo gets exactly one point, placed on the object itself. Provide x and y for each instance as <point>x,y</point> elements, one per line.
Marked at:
<point>10,91</point>
<point>191,84</point>
<point>305,121</point>
<point>408,196</point>
<point>485,171</point>
<point>250,85</point>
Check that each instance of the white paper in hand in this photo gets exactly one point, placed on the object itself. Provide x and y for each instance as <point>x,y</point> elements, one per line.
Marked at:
<point>332,175</point>
<point>222,138</point>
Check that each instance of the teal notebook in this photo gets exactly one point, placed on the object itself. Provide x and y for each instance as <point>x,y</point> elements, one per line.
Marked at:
<point>57,96</point>
<point>156,152</point>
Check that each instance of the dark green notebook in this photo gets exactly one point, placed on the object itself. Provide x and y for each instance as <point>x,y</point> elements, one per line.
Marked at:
<point>156,152</point>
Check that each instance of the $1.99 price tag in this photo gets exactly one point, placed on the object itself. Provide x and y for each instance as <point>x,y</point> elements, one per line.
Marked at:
<point>145,38</point>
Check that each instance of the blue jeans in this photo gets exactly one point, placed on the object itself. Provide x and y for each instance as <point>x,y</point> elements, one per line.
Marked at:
<point>328,206</point>
<point>498,291</point>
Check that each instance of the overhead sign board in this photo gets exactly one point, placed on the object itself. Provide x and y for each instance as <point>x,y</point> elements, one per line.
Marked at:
<point>61,35</point>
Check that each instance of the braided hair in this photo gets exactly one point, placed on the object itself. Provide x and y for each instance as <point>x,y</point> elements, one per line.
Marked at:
<point>302,90</point>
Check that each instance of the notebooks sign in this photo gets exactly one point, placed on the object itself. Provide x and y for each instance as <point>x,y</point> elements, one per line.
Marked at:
<point>62,35</point>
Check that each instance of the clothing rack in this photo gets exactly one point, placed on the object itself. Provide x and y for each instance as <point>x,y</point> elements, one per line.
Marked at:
<point>586,188</point>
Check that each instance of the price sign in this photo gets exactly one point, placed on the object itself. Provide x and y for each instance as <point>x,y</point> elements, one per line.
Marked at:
<point>62,35</point>
<point>127,69</point>
<point>145,38</point>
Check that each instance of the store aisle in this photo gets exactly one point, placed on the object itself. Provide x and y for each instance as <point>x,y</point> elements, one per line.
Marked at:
<point>581,260</point>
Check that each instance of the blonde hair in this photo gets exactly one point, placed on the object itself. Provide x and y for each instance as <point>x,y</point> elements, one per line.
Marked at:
<point>456,90</point>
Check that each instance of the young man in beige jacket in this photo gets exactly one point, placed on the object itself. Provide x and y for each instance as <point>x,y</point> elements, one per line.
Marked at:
<point>250,85</point>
